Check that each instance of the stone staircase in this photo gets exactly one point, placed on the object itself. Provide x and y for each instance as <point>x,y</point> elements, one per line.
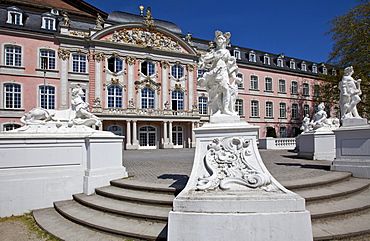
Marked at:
<point>339,207</point>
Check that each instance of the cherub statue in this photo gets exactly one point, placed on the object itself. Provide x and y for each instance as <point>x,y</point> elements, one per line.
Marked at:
<point>65,19</point>
<point>319,119</point>
<point>99,22</point>
<point>306,126</point>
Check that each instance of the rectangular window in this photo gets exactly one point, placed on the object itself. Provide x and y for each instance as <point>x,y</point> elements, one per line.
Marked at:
<point>282,132</point>
<point>79,63</point>
<point>254,82</point>
<point>268,84</point>
<point>240,85</point>
<point>306,110</point>
<point>239,108</point>
<point>47,97</point>
<point>269,109</point>
<point>115,96</point>
<point>282,86</point>
<point>294,111</point>
<point>47,59</point>
<point>48,23</point>
<point>304,67</point>
<point>252,57</point>
<point>282,110</point>
<point>295,88</point>
<point>280,63</point>
<point>237,54</point>
<point>202,105</point>
<point>316,90</point>
<point>254,108</point>
<point>13,56</point>
<point>266,60</point>
<point>306,89</point>
<point>15,18</point>
<point>12,95</point>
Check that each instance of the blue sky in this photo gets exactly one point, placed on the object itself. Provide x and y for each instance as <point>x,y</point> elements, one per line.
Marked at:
<point>293,27</point>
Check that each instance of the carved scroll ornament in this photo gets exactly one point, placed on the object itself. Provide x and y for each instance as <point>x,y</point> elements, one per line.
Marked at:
<point>227,163</point>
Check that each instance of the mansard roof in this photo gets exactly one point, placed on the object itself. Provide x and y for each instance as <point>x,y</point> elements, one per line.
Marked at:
<point>122,17</point>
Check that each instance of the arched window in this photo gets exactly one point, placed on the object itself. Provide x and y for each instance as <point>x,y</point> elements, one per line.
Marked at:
<point>9,127</point>
<point>306,89</point>
<point>294,87</point>
<point>13,55</point>
<point>47,59</point>
<point>47,97</point>
<point>147,98</point>
<point>269,109</point>
<point>268,84</point>
<point>115,96</point>
<point>147,136</point>
<point>147,68</point>
<point>254,82</point>
<point>282,86</point>
<point>306,110</point>
<point>177,135</point>
<point>254,108</point>
<point>177,71</point>
<point>12,96</point>
<point>115,64</point>
<point>116,129</point>
<point>177,100</point>
<point>282,132</point>
<point>294,111</point>
<point>282,110</point>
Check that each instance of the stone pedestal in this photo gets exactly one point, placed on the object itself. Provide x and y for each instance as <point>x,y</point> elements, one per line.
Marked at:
<point>353,150</point>
<point>317,145</point>
<point>231,195</point>
<point>37,169</point>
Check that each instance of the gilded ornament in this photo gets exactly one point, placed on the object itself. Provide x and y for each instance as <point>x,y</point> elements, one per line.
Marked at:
<point>130,60</point>
<point>63,53</point>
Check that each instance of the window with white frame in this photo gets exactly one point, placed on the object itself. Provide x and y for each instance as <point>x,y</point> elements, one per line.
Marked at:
<point>177,134</point>
<point>306,110</point>
<point>203,105</point>
<point>114,94</point>
<point>116,129</point>
<point>306,89</point>
<point>269,110</point>
<point>295,111</point>
<point>294,88</point>
<point>47,97</point>
<point>115,64</point>
<point>252,57</point>
<point>12,96</point>
<point>314,68</point>
<point>48,21</point>
<point>316,90</point>
<point>280,62</point>
<point>147,98</point>
<point>254,108</point>
<point>239,107</point>
<point>282,110</point>
<point>324,70</point>
<point>177,71</point>
<point>15,17</point>
<point>240,85</point>
<point>304,66</point>
<point>268,84</point>
<point>47,59</point>
<point>10,127</point>
<point>282,86</point>
<point>147,136</point>
<point>177,100</point>
<point>147,68</point>
<point>282,132</point>
<point>79,63</point>
<point>13,55</point>
<point>254,82</point>
<point>237,54</point>
<point>266,59</point>
<point>292,64</point>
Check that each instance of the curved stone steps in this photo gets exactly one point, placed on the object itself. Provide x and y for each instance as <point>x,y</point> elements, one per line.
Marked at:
<point>123,208</point>
<point>342,228</point>
<point>115,224</point>
<point>335,190</point>
<point>324,180</point>
<point>350,205</point>
<point>133,195</point>
<point>49,219</point>
<point>150,187</point>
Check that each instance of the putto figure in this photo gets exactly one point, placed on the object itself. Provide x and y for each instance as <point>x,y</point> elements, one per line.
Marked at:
<point>349,94</point>
<point>220,67</point>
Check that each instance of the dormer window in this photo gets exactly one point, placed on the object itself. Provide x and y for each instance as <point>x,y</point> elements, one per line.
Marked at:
<point>266,59</point>
<point>280,62</point>
<point>334,72</point>
<point>304,66</point>
<point>48,21</point>
<point>292,64</point>
<point>252,56</point>
<point>237,54</point>
<point>324,69</point>
<point>15,16</point>
<point>314,68</point>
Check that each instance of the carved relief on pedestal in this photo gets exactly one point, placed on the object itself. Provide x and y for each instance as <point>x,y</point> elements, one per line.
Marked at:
<point>145,38</point>
<point>227,164</point>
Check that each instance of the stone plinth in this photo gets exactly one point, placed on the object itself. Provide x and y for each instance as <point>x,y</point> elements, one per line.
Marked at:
<point>353,150</point>
<point>37,169</point>
<point>231,195</point>
<point>317,145</point>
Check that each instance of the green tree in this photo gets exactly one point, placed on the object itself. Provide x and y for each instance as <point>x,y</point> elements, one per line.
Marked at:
<point>351,36</point>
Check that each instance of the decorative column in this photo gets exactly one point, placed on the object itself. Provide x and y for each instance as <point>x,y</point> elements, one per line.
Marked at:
<point>64,56</point>
<point>128,133</point>
<point>190,80</point>
<point>135,143</point>
<point>99,57</point>
<point>167,140</point>
<point>130,60</point>
<point>170,143</point>
<point>165,65</point>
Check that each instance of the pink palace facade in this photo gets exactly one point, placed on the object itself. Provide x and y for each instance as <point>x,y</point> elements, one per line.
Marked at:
<point>139,74</point>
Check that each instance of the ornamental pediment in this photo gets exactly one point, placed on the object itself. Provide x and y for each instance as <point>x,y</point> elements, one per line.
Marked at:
<point>148,38</point>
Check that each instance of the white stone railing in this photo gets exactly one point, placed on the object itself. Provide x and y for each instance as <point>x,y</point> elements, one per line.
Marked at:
<point>144,112</point>
<point>277,143</point>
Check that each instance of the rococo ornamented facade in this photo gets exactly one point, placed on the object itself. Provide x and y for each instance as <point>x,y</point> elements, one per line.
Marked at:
<point>139,74</point>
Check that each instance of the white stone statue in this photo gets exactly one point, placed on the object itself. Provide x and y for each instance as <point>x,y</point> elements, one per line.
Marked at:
<point>349,94</point>
<point>319,119</point>
<point>220,67</point>
<point>306,125</point>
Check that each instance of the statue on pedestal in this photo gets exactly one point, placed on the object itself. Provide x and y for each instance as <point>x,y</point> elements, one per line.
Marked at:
<point>349,94</point>
<point>220,66</point>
